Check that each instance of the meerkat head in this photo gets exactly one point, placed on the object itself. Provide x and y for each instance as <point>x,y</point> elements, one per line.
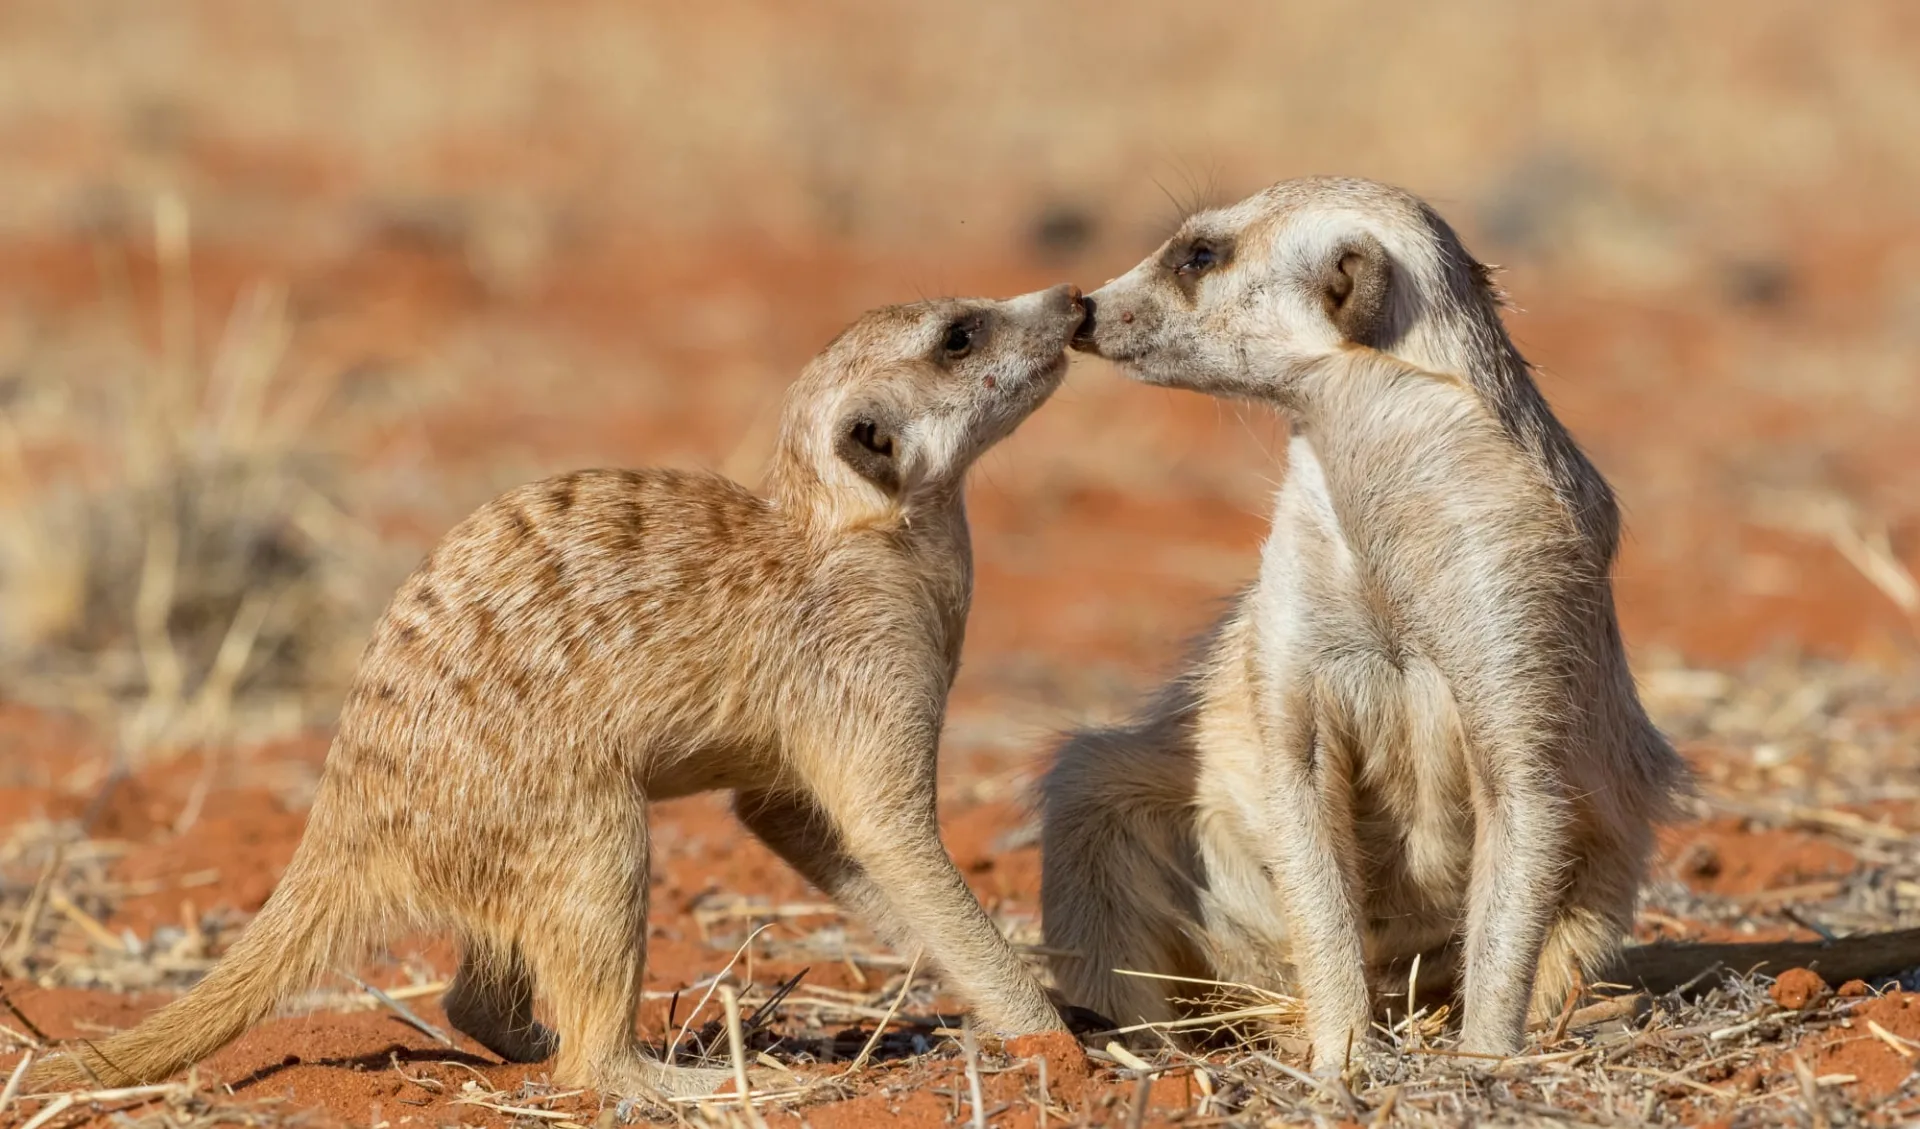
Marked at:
<point>907,397</point>
<point>1242,297</point>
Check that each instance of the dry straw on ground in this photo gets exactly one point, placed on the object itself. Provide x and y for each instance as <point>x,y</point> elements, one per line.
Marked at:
<point>175,567</point>
<point>1785,744</point>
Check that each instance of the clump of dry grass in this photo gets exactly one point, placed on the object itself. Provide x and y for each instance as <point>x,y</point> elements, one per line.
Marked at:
<point>170,561</point>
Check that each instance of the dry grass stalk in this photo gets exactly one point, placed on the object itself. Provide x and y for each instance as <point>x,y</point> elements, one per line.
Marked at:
<point>1862,539</point>
<point>714,982</point>
<point>866,1051</point>
<point>736,1048</point>
<point>1137,1114</point>
<point>12,1088</point>
<point>179,582</point>
<point>971,1047</point>
<point>406,1014</point>
<point>1905,1048</point>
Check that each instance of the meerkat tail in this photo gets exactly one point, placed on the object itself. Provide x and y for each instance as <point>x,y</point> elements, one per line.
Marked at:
<point>316,918</point>
<point>1665,966</point>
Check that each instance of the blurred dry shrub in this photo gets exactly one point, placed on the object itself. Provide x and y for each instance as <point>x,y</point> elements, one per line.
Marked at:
<point>177,570</point>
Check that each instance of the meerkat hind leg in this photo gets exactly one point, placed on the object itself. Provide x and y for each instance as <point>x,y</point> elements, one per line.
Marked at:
<point>588,953</point>
<point>1120,880</point>
<point>491,1001</point>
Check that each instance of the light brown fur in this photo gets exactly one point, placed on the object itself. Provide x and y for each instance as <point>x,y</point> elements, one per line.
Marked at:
<point>1416,733</point>
<point>583,646</point>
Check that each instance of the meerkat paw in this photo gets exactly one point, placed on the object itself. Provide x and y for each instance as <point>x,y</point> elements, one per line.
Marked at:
<point>1489,1049</point>
<point>535,1043</point>
<point>1353,1065</point>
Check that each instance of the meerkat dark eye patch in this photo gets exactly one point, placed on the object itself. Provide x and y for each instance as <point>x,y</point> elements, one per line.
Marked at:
<point>1188,259</point>
<point>1354,288</point>
<point>962,336</point>
<point>1199,256</point>
<point>867,445</point>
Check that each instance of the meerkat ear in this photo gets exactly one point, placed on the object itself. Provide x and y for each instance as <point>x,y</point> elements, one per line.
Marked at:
<point>869,444</point>
<point>1354,286</point>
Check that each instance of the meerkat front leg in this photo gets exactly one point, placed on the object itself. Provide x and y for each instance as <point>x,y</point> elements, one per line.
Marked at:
<point>1518,857</point>
<point>1313,858</point>
<point>802,833</point>
<point>881,801</point>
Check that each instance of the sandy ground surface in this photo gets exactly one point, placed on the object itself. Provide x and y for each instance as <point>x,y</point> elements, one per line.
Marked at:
<point>481,283</point>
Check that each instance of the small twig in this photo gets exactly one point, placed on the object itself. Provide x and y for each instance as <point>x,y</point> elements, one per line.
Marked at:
<point>674,1045</point>
<point>1214,1019</point>
<point>1559,1031</point>
<point>1738,1029</point>
<point>123,1093</point>
<point>33,1028</point>
<point>1137,1116</point>
<point>19,1075</point>
<point>762,1014</point>
<point>22,939</point>
<point>1203,1079</point>
<point>54,1109</point>
<point>1711,970</point>
<point>1676,1079</point>
<point>1903,1047</point>
<point>88,924</point>
<point>873,1041</point>
<point>1383,1113</point>
<point>405,1013</point>
<point>737,1048</point>
<point>1327,1088</point>
<point>430,1085</point>
<point>1413,998</point>
<point>1809,1092</point>
<point>516,1110</point>
<point>1807,923</point>
<point>1045,1100</point>
<point>1127,1058</point>
<point>972,1048</point>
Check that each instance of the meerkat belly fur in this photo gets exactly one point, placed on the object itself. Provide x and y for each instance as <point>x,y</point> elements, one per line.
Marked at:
<point>1416,734</point>
<point>585,645</point>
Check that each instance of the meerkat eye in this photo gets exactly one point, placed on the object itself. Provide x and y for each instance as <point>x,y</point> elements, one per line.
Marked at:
<point>1199,258</point>
<point>959,339</point>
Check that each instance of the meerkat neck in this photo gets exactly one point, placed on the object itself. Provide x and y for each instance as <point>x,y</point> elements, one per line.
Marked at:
<point>1470,342</point>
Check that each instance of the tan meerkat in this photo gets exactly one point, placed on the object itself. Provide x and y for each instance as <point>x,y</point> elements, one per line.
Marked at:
<point>1416,734</point>
<point>585,645</point>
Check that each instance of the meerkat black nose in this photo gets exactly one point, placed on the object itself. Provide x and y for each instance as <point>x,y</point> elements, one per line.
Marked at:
<point>1083,335</point>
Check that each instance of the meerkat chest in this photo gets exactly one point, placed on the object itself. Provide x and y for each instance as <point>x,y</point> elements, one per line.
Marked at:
<point>1408,525</point>
<point>1333,638</point>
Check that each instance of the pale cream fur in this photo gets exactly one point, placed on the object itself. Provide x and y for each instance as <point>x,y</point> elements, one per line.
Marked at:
<point>1416,733</point>
<point>583,646</point>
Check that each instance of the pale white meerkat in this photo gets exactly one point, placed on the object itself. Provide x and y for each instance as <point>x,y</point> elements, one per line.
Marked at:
<point>585,645</point>
<point>1416,733</point>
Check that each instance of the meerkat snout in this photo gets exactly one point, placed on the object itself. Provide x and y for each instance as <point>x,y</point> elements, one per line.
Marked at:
<point>1049,319</point>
